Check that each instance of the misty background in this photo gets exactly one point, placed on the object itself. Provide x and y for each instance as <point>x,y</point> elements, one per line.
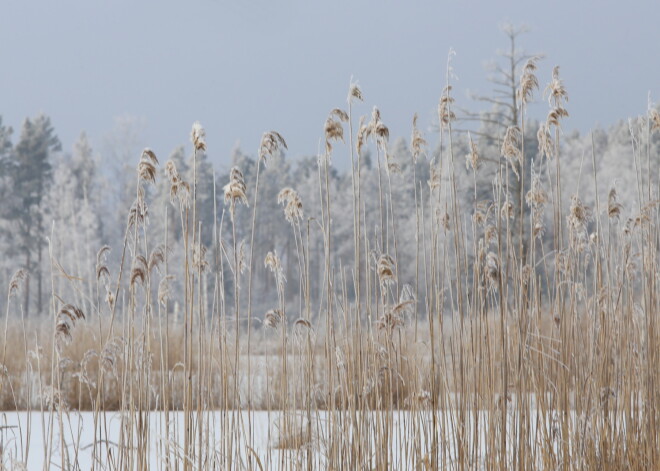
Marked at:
<point>86,86</point>
<point>242,68</point>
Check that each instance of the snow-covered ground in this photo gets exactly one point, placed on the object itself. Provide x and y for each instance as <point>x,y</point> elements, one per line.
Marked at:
<point>241,435</point>
<point>24,438</point>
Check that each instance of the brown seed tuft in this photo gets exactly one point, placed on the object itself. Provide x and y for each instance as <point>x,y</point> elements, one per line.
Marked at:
<point>139,270</point>
<point>110,298</point>
<point>272,261</point>
<point>157,258</point>
<point>536,197</point>
<point>654,116</point>
<point>511,147</point>
<point>164,289</point>
<point>417,142</point>
<point>293,207</point>
<point>507,210</point>
<point>235,190</point>
<point>273,318</point>
<point>199,258</point>
<point>102,274</point>
<point>271,142</point>
<point>111,354</point>
<point>147,166</point>
<point>492,268</point>
<point>198,136</point>
<point>445,114</point>
<point>472,159</point>
<point>179,189</point>
<point>528,81</point>
<point>545,142</point>
<point>555,115</point>
<point>362,135</point>
<point>378,130</point>
<point>579,213</point>
<point>139,213</point>
<point>16,281</point>
<point>613,206</point>
<point>66,320</point>
<point>555,89</point>
<point>333,129</point>
<point>386,270</point>
<point>557,95</point>
<point>354,92</point>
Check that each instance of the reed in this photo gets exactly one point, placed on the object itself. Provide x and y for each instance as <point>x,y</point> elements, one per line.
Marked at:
<point>527,337</point>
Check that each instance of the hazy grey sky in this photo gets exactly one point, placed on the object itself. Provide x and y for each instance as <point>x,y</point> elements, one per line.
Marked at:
<point>243,67</point>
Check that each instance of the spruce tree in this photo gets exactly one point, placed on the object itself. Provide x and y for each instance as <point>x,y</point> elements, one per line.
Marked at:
<point>28,174</point>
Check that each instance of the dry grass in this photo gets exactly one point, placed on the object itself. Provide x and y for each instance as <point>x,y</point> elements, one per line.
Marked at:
<point>512,351</point>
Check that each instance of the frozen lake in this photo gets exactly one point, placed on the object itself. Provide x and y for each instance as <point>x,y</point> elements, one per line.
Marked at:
<point>250,440</point>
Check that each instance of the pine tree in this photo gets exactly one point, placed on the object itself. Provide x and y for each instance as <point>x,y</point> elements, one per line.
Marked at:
<point>29,174</point>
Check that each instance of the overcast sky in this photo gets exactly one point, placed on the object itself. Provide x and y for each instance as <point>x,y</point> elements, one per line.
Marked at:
<point>243,67</point>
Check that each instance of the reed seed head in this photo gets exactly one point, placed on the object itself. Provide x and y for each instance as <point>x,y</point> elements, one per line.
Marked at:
<point>139,270</point>
<point>102,274</point>
<point>198,136</point>
<point>511,147</point>
<point>579,213</point>
<point>66,320</point>
<point>654,116</point>
<point>139,213</point>
<point>555,115</point>
<point>545,141</point>
<point>17,281</point>
<point>199,258</point>
<point>147,166</point>
<point>272,262</point>
<point>273,318</point>
<point>164,290</point>
<point>235,190</point>
<point>242,258</point>
<point>111,354</point>
<point>293,207</point>
<point>110,298</point>
<point>507,211</point>
<point>445,221</point>
<point>354,92</point>
<point>492,268</point>
<point>613,206</point>
<point>472,159</point>
<point>362,135</point>
<point>481,212</point>
<point>436,178</point>
<point>333,128</point>
<point>271,143</point>
<point>386,270</point>
<point>528,81</point>
<point>157,258</point>
<point>179,189</point>
<point>555,90</point>
<point>536,196</point>
<point>445,114</point>
<point>417,142</point>
<point>378,130</point>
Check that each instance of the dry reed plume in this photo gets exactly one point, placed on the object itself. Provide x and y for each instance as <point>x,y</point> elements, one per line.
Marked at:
<point>493,326</point>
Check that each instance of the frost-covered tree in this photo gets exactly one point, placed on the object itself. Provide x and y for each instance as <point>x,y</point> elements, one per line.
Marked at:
<point>28,172</point>
<point>120,152</point>
<point>73,208</point>
<point>6,148</point>
<point>206,205</point>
